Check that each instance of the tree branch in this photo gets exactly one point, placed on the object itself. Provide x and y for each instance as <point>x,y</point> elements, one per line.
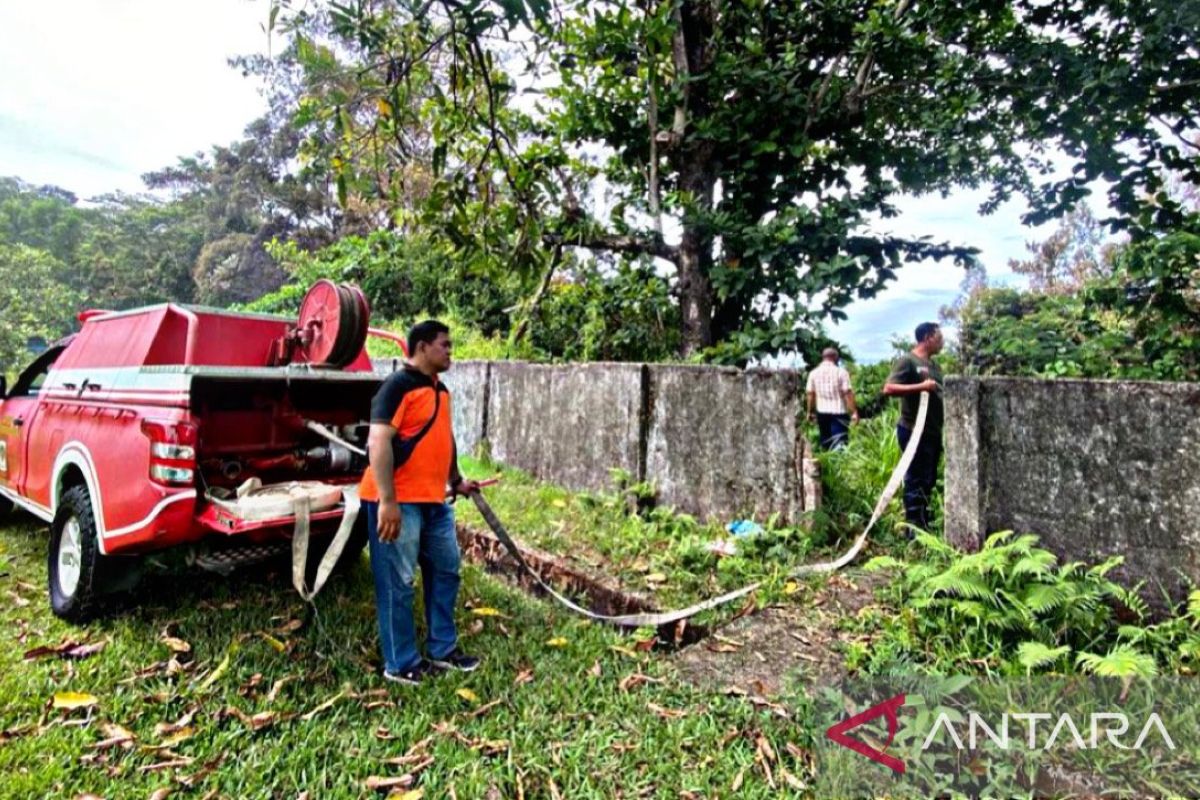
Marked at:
<point>628,244</point>
<point>523,325</point>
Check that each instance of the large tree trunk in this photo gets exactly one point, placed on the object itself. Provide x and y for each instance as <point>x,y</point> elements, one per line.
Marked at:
<point>693,53</point>
<point>694,262</point>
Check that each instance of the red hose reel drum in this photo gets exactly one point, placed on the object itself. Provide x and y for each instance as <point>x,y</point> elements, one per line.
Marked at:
<point>333,324</point>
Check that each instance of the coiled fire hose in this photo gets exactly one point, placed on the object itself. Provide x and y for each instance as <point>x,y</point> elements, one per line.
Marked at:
<point>659,618</point>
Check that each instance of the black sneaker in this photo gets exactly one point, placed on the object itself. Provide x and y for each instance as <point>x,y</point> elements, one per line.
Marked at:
<point>457,659</point>
<point>411,676</point>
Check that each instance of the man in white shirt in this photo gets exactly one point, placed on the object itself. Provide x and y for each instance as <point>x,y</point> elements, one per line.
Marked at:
<point>832,400</point>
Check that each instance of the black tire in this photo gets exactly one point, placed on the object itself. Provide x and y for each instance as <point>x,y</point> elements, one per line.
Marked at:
<point>75,521</point>
<point>6,508</point>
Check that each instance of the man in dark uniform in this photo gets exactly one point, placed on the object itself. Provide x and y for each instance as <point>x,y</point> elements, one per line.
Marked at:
<point>913,373</point>
<point>409,522</point>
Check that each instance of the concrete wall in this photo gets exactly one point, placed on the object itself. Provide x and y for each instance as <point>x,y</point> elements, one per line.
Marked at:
<point>724,442</point>
<point>567,424</point>
<point>716,442</point>
<point>468,385</point>
<point>1096,468</point>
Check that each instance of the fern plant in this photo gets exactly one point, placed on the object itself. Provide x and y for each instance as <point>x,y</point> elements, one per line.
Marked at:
<point>1011,608</point>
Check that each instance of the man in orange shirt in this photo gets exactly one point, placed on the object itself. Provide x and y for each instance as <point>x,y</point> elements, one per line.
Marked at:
<point>412,457</point>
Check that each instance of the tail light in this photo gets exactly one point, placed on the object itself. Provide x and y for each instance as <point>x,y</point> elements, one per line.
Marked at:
<point>172,451</point>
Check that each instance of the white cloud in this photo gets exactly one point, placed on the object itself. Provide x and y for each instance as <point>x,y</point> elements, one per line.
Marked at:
<point>92,94</point>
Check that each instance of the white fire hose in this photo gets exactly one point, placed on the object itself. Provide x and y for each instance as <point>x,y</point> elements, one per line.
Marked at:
<point>654,619</point>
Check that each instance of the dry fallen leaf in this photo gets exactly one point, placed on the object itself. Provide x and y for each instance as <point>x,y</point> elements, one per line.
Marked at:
<point>377,783</point>
<point>114,736</point>
<point>216,674</point>
<point>485,611</point>
<point>8,734</point>
<point>176,645</point>
<point>625,651</point>
<point>73,700</point>
<point>271,640</point>
<point>263,719</point>
<point>635,679</point>
<point>524,676</point>
<point>274,693</point>
<point>557,641</point>
<point>792,780</point>
<point>161,794</point>
<point>468,695</point>
<point>656,577</point>
<point>20,602</point>
<point>167,728</point>
<point>412,794</point>
<point>66,649</point>
<point>737,781</point>
<point>290,626</point>
<point>596,671</point>
<point>491,747</point>
<point>483,709</point>
<point>559,503</point>
<point>666,713</point>
<point>723,648</point>
<point>324,706</point>
<point>174,762</point>
<point>178,737</point>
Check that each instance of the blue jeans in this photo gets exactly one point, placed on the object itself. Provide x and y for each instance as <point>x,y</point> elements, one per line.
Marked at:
<point>427,539</point>
<point>921,476</point>
<point>835,430</point>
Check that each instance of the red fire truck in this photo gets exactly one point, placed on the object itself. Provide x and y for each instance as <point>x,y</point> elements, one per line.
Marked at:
<point>135,434</point>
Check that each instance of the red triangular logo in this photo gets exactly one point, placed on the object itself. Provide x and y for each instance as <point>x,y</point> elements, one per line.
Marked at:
<point>888,708</point>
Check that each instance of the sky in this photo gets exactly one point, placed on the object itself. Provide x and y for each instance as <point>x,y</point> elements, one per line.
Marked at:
<point>99,92</point>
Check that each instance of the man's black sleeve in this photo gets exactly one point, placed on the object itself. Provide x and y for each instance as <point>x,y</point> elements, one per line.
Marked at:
<point>387,400</point>
<point>903,372</point>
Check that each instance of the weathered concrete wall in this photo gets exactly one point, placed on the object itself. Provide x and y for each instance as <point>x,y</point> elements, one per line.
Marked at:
<point>568,424</point>
<point>725,442</point>
<point>468,385</point>
<point>1096,468</point>
<point>716,442</point>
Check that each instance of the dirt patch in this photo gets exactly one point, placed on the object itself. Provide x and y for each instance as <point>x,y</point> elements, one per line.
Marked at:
<point>599,594</point>
<point>765,653</point>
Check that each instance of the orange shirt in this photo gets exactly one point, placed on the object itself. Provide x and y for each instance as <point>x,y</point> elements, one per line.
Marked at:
<point>406,402</point>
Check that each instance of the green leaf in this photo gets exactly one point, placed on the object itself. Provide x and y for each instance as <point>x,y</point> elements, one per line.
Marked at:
<point>1122,661</point>
<point>1032,655</point>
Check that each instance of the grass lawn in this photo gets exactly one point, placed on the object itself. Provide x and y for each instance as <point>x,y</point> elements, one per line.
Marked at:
<point>266,702</point>
<point>657,553</point>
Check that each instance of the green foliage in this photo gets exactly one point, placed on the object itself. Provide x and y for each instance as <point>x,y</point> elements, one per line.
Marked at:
<point>628,315</point>
<point>120,252</point>
<point>35,301</point>
<point>402,276</point>
<point>1012,608</point>
<point>853,478</point>
<point>1010,332</point>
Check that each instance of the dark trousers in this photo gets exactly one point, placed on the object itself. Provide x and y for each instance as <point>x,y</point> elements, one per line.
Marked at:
<point>835,430</point>
<point>921,476</point>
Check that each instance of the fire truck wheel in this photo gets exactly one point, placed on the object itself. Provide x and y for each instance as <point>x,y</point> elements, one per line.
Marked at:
<point>75,562</point>
<point>6,507</point>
